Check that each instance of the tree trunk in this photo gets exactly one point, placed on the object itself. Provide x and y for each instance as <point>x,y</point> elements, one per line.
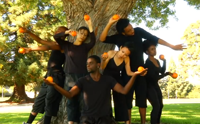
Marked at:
<point>19,95</point>
<point>100,12</point>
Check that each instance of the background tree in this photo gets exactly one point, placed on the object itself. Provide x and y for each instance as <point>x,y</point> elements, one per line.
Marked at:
<point>49,14</point>
<point>19,69</point>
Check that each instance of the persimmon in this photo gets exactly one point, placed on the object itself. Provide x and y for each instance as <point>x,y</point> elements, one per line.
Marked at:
<point>21,30</point>
<point>162,57</point>
<point>73,33</point>
<point>140,68</point>
<point>21,50</point>
<point>115,17</point>
<point>86,17</point>
<point>49,78</point>
<point>174,75</point>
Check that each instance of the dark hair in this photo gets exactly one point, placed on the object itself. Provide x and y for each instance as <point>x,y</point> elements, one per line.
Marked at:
<point>96,58</point>
<point>60,29</point>
<point>84,28</point>
<point>129,45</point>
<point>147,43</point>
<point>121,24</point>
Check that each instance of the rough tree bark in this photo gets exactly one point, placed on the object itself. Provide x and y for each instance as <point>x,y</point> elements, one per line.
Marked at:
<point>19,95</point>
<point>100,12</point>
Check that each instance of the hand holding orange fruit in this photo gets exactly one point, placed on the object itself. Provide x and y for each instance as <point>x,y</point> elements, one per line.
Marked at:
<point>162,57</point>
<point>174,75</point>
<point>49,79</point>
<point>104,56</point>
<point>21,50</point>
<point>73,33</point>
<point>115,17</point>
<point>86,17</point>
<point>140,68</point>
<point>22,30</point>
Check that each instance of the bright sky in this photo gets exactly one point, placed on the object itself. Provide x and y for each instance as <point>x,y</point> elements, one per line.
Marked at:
<point>186,15</point>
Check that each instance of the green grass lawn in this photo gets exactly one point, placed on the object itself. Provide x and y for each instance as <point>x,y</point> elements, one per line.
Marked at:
<point>172,114</point>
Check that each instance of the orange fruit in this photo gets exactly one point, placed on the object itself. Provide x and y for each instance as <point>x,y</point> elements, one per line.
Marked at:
<point>21,50</point>
<point>162,57</point>
<point>21,30</point>
<point>49,78</point>
<point>140,68</point>
<point>115,17</point>
<point>105,53</point>
<point>86,17</point>
<point>174,75</point>
<point>73,33</point>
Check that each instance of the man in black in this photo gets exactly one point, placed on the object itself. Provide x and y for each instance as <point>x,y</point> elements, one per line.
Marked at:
<point>126,33</point>
<point>96,92</point>
<point>48,99</point>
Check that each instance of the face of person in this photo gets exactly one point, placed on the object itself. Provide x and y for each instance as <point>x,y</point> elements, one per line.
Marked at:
<point>61,30</point>
<point>92,65</point>
<point>129,30</point>
<point>124,52</point>
<point>82,35</point>
<point>151,50</point>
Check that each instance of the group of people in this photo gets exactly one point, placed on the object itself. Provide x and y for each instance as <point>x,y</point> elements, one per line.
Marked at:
<point>89,91</point>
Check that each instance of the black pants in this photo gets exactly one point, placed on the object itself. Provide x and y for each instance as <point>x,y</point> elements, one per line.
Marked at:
<point>49,98</point>
<point>154,95</point>
<point>95,120</point>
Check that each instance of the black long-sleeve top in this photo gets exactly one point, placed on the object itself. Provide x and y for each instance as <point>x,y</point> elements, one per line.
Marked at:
<point>76,55</point>
<point>136,56</point>
<point>154,73</point>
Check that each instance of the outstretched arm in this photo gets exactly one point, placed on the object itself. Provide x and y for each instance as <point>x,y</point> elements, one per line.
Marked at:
<point>74,90</point>
<point>124,90</point>
<point>38,39</point>
<point>106,29</point>
<point>174,47</point>
<point>41,48</point>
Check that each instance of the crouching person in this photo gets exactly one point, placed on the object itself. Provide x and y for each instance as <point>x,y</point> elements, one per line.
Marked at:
<point>96,92</point>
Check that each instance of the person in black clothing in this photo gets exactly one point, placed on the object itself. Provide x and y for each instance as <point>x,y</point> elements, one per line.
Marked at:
<point>112,65</point>
<point>154,94</point>
<point>126,33</point>
<point>48,99</point>
<point>96,92</point>
<point>76,55</point>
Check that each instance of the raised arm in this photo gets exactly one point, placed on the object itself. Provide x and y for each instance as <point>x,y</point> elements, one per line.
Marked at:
<point>74,90</point>
<point>105,59</point>
<point>106,29</point>
<point>124,90</point>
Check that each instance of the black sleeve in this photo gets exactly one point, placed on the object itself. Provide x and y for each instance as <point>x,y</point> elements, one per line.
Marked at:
<point>79,83</point>
<point>92,41</point>
<point>58,39</point>
<point>111,39</point>
<point>113,82</point>
<point>146,35</point>
<point>163,69</point>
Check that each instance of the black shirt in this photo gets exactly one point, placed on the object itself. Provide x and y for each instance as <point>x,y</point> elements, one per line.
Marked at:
<point>154,73</point>
<point>136,57</point>
<point>76,56</point>
<point>96,95</point>
<point>56,60</point>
